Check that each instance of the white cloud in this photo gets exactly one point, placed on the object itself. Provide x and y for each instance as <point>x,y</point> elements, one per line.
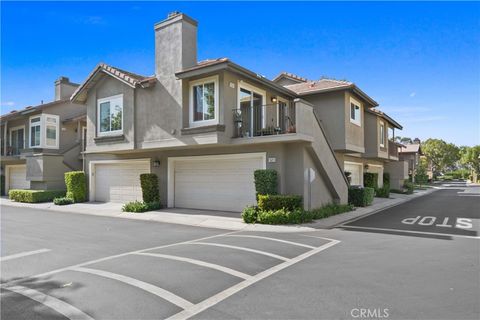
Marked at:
<point>413,94</point>
<point>94,20</point>
<point>8,103</point>
<point>424,119</point>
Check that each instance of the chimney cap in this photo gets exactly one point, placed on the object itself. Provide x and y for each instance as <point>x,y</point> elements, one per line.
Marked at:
<point>173,17</point>
<point>173,14</point>
<point>62,79</point>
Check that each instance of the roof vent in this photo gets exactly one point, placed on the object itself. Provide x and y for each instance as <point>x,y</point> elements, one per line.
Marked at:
<point>29,107</point>
<point>13,111</point>
<point>173,14</point>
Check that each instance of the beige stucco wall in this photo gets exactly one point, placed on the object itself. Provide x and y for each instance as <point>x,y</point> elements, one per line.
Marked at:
<point>398,171</point>
<point>354,134</point>
<point>372,137</point>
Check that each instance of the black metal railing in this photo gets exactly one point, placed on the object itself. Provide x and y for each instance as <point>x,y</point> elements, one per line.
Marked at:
<point>10,150</point>
<point>264,120</point>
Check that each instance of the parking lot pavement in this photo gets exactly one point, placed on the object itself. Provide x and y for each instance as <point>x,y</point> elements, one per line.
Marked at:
<point>174,281</point>
<point>451,212</point>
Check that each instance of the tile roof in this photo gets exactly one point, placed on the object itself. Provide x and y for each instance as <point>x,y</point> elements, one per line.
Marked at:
<point>130,78</point>
<point>30,109</point>
<point>318,86</point>
<point>205,63</point>
<point>410,148</point>
<point>384,116</point>
<point>284,74</point>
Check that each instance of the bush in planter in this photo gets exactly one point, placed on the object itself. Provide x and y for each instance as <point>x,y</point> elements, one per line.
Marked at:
<point>360,197</point>
<point>266,181</point>
<point>76,186</point>
<point>150,190</point>
<point>409,186</point>
<point>383,192</point>
<point>370,180</point>
<point>386,178</point>
<point>330,210</point>
<point>279,201</point>
<point>249,214</point>
<point>63,201</point>
<point>140,206</point>
<point>284,216</point>
<point>34,196</point>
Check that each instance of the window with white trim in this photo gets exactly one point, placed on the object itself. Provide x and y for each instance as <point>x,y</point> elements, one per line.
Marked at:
<point>44,131</point>
<point>355,112</point>
<point>110,115</point>
<point>204,101</point>
<point>382,134</point>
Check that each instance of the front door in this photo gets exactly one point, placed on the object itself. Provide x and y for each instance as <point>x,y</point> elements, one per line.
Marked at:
<point>17,140</point>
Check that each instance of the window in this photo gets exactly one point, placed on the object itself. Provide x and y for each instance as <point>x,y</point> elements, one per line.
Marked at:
<point>382,134</point>
<point>110,115</point>
<point>355,115</point>
<point>44,131</point>
<point>204,101</point>
<point>35,131</point>
<point>251,102</point>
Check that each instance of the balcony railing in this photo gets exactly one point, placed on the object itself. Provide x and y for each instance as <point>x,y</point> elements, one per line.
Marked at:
<point>264,120</point>
<point>392,149</point>
<point>11,151</point>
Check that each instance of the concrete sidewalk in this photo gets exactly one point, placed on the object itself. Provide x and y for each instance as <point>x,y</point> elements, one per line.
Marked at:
<point>213,219</point>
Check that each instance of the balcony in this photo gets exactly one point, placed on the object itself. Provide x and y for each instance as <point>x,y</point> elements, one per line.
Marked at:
<point>264,120</point>
<point>392,150</point>
<point>10,151</point>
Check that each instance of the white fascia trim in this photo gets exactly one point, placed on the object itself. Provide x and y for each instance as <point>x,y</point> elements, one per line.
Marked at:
<point>171,168</point>
<point>91,171</point>
<point>216,86</point>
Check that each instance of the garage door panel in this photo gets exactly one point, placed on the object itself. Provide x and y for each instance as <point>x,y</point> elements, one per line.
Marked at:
<point>18,177</point>
<point>355,173</point>
<point>119,182</point>
<point>216,183</point>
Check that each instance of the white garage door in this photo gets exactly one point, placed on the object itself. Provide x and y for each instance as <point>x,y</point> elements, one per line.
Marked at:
<point>17,177</point>
<point>120,181</point>
<point>379,171</point>
<point>216,183</point>
<point>355,173</point>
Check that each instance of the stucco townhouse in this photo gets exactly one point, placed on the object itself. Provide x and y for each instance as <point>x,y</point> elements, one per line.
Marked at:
<point>40,143</point>
<point>361,135</point>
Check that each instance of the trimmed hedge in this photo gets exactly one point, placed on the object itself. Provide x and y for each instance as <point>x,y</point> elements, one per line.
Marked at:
<point>386,179</point>
<point>63,201</point>
<point>150,190</point>
<point>370,180</point>
<point>283,216</point>
<point>34,196</point>
<point>360,197</point>
<point>409,187</point>
<point>140,206</point>
<point>266,181</point>
<point>383,192</point>
<point>279,201</point>
<point>2,185</point>
<point>76,186</point>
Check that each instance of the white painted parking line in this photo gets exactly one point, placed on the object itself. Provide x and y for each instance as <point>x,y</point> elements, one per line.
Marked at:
<point>162,293</point>
<point>23,254</point>
<point>49,273</point>
<point>199,263</point>
<point>210,302</point>
<point>58,305</point>
<point>413,232</point>
<point>272,239</point>
<point>276,256</point>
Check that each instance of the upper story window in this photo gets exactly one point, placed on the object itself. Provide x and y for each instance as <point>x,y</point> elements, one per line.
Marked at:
<point>355,112</point>
<point>44,131</point>
<point>382,134</point>
<point>204,101</point>
<point>110,115</point>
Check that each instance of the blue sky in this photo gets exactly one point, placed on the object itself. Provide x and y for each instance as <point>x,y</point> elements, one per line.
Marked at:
<point>420,61</point>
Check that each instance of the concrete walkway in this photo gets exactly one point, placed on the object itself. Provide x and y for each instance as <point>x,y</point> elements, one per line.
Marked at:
<point>215,219</point>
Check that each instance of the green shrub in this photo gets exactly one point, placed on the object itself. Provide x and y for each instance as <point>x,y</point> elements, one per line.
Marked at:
<point>386,179</point>
<point>266,181</point>
<point>397,191</point>
<point>370,180</point>
<point>76,186</point>
<point>249,214</point>
<point>360,197</point>
<point>383,192</point>
<point>150,190</point>
<point>284,216</point>
<point>63,201</point>
<point>280,201</point>
<point>140,206</point>
<point>2,185</point>
<point>330,210</point>
<point>34,196</point>
<point>409,187</point>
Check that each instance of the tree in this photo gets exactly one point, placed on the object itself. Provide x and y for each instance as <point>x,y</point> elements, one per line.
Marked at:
<point>443,155</point>
<point>470,157</point>
<point>403,139</point>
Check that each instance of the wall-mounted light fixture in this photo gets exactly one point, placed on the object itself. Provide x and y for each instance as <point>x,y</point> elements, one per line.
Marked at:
<point>156,163</point>
<point>274,99</point>
<point>366,167</point>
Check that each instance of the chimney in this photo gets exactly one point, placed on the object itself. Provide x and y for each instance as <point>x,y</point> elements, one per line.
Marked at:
<point>175,45</point>
<point>416,141</point>
<point>64,88</point>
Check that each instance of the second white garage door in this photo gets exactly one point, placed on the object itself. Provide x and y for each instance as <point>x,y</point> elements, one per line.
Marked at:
<point>356,175</point>
<point>214,182</point>
<point>17,177</point>
<point>119,181</point>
